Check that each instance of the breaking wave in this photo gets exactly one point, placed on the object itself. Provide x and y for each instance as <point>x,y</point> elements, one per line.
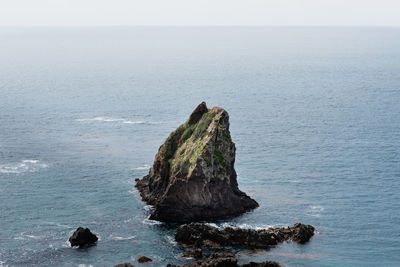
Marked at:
<point>29,165</point>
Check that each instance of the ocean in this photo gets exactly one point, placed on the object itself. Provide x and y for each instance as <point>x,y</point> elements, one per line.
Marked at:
<point>314,113</point>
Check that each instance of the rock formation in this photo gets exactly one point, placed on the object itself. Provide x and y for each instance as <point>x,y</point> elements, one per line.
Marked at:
<point>204,236</point>
<point>144,259</point>
<point>193,176</point>
<point>82,237</point>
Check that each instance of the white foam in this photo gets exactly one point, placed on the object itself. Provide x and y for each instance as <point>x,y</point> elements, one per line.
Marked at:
<point>148,207</point>
<point>244,226</point>
<point>213,225</point>
<point>151,222</point>
<point>111,119</point>
<point>27,165</point>
<point>317,208</point>
<point>144,167</point>
<point>171,240</point>
<point>3,264</point>
<point>34,237</point>
<point>25,236</point>
<point>30,161</point>
<point>316,211</point>
<point>128,220</point>
<point>123,238</point>
<point>60,225</point>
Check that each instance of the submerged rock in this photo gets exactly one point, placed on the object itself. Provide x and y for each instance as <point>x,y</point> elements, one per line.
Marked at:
<point>201,236</point>
<point>82,237</point>
<point>126,264</point>
<point>193,176</point>
<point>226,259</point>
<point>262,264</point>
<point>144,259</point>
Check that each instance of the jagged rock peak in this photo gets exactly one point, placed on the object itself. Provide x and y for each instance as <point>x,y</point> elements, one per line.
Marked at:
<point>198,113</point>
<point>193,176</point>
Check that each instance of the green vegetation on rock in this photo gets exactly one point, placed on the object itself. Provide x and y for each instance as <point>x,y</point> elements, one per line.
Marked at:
<point>219,157</point>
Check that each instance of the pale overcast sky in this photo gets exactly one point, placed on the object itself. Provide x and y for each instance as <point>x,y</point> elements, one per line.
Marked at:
<point>199,12</point>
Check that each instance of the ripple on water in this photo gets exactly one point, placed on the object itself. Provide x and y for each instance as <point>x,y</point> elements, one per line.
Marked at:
<point>118,120</point>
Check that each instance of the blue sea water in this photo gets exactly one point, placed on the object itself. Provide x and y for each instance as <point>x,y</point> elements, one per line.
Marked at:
<point>315,115</point>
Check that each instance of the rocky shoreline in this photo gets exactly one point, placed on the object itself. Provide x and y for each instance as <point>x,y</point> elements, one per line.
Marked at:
<point>201,238</point>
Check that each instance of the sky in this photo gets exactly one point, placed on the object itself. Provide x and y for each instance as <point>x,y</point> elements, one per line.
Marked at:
<point>200,12</point>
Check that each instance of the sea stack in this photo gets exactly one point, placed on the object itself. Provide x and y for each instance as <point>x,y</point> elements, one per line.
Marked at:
<point>193,176</point>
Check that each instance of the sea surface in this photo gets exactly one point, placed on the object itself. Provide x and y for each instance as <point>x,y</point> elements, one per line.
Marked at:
<point>314,112</point>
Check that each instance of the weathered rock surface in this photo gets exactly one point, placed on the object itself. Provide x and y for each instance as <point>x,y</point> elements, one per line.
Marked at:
<point>144,259</point>
<point>82,237</point>
<point>226,259</point>
<point>202,236</point>
<point>193,176</point>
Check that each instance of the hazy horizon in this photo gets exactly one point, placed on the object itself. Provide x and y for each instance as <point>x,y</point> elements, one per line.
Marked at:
<point>327,13</point>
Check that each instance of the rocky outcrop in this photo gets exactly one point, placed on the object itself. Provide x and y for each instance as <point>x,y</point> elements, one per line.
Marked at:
<point>204,236</point>
<point>193,176</point>
<point>144,259</point>
<point>226,259</point>
<point>82,237</point>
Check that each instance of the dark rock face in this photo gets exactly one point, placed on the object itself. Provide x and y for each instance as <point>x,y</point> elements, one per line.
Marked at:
<point>82,237</point>
<point>193,176</point>
<point>126,264</point>
<point>226,259</point>
<point>302,233</point>
<point>144,259</point>
<point>201,236</point>
<point>198,113</point>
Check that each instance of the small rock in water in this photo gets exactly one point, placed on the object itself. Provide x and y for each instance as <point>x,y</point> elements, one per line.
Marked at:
<point>82,236</point>
<point>126,264</point>
<point>144,259</point>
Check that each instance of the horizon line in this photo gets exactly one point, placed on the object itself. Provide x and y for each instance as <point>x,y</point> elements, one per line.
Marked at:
<point>199,26</point>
